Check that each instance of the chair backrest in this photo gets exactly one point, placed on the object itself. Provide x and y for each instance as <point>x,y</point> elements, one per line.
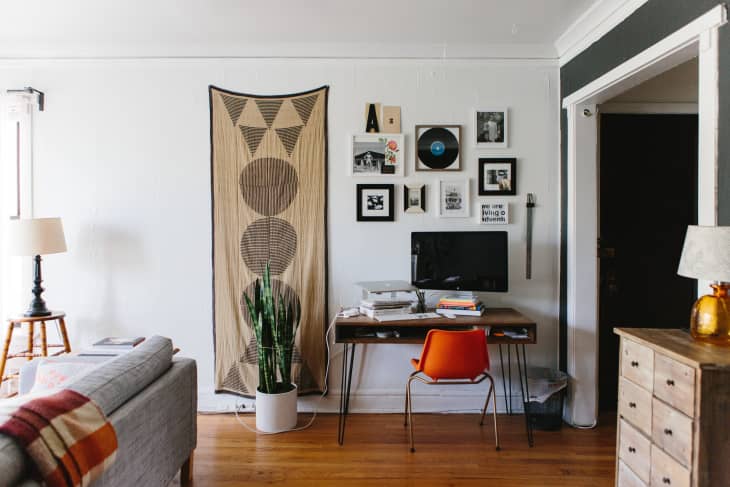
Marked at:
<point>454,354</point>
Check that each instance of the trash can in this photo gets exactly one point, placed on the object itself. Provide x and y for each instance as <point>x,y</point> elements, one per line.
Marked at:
<point>547,392</point>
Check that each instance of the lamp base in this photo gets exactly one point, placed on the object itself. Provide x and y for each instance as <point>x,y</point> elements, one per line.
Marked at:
<point>37,305</point>
<point>710,319</point>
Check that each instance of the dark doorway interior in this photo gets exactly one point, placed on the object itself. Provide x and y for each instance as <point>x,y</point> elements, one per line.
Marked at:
<point>648,196</point>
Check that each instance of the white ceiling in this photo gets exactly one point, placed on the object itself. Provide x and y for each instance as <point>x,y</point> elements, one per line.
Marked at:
<point>474,28</point>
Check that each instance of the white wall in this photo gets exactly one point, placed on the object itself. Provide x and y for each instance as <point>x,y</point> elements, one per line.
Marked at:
<point>122,154</point>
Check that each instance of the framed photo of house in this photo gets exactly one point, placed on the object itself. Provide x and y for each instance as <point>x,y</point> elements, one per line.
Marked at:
<point>414,198</point>
<point>491,126</point>
<point>375,202</point>
<point>497,176</point>
<point>454,198</point>
<point>377,155</point>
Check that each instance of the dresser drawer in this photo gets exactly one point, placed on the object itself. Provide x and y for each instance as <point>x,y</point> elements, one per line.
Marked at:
<point>672,431</point>
<point>635,450</point>
<point>674,383</point>
<point>627,478</point>
<point>665,471</point>
<point>637,363</point>
<point>634,404</point>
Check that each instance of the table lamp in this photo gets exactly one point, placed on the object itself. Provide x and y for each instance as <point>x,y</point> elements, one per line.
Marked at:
<point>706,255</point>
<point>36,237</point>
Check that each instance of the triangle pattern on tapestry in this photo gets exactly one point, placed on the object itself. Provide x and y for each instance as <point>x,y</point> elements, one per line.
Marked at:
<point>252,136</point>
<point>289,137</point>
<point>234,106</point>
<point>233,380</point>
<point>269,109</point>
<point>304,106</point>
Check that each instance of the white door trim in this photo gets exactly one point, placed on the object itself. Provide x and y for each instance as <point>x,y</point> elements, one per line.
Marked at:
<point>697,37</point>
<point>650,108</point>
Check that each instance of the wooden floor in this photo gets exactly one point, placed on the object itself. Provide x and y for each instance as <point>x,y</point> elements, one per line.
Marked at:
<point>451,450</point>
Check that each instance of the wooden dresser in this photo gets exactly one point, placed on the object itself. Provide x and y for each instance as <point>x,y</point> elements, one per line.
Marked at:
<point>673,411</point>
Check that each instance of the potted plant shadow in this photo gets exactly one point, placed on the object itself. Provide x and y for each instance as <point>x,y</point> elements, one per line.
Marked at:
<point>275,325</point>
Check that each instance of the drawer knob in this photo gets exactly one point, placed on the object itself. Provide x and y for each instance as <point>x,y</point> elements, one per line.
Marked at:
<point>632,404</point>
<point>634,363</point>
<point>667,431</point>
<point>666,480</point>
<point>670,382</point>
<point>632,449</point>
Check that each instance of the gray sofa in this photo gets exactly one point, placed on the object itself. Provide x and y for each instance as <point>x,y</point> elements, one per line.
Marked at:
<point>151,400</point>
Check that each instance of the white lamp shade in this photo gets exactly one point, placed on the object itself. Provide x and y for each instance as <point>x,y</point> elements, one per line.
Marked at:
<point>36,236</point>
<point>706,254</point>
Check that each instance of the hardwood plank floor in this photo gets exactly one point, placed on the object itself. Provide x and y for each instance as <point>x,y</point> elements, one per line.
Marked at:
<point>451,450</point>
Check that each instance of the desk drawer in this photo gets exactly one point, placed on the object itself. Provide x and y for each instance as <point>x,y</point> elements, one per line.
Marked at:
<point>627,478</point>
<point>672,431</point>
<point>634,404</point>
<point>674,383</point>
<point>635,450</point>
<point>637,363</point>
<point>665,471</point>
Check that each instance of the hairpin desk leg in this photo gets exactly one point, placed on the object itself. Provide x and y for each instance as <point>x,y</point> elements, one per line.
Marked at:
<point>525,392</point>
<point>504,381</point>
<point>345,383</point>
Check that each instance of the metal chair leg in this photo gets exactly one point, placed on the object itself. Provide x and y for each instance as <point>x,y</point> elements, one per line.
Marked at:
<point>486,403</point>
<point>405,409</point>
<point>494,413</point>
<point>410,413</point>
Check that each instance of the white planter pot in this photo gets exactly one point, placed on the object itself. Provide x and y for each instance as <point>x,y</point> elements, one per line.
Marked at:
<point>276,412</point>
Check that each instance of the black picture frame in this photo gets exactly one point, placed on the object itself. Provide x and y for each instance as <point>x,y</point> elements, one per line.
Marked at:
<point>361,211</point>
<point>421,207</point>
<point>489,168</point>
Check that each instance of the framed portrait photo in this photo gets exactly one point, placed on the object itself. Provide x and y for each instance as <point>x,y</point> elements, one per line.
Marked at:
<point>438,147</point>
<point>454,198</point>
<point>491,128</point>
<point>377,155</point>
<point>414,198</point>
<point>497,176</point>
<point>375,202</point>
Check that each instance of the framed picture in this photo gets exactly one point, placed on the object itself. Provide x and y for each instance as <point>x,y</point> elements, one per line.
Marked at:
<point>497,176</point>
<point>438,147</point>
<point>454,198</point>
<point>495,213</point>
<point>414,198</point>
<point>490,128</point>
<point>377,155</point>
<point>375,202</point>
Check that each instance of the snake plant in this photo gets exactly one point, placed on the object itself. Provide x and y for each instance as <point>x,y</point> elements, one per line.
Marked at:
<point>275,326</point>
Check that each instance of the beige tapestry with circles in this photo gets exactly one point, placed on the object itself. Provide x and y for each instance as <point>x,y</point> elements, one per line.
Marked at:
<point>269,197</point>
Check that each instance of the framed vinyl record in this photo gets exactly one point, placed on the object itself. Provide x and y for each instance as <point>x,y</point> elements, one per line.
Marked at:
<point>438,147</point>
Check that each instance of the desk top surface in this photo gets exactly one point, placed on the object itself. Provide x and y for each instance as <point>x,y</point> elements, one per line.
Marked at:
<point>505,317</point>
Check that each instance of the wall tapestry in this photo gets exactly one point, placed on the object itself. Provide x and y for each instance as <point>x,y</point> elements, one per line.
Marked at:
<point>269,198</point>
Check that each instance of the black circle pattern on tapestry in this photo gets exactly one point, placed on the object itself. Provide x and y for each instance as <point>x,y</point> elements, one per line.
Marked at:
<point>269,240</point>
<point>277,288</point>
<point>269,185</point>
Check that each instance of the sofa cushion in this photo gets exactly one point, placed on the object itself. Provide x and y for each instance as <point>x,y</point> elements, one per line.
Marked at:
<point>114,382</point>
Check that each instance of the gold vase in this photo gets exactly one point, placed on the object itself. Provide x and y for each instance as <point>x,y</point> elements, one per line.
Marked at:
<point>710,320</point>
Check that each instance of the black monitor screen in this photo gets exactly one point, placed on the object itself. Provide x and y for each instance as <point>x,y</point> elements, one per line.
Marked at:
<point>465,261</point>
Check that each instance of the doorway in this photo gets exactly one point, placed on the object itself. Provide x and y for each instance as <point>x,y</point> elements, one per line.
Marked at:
<point>647,197</point>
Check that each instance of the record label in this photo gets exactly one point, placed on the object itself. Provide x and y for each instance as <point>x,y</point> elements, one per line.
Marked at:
<point>437,148</point>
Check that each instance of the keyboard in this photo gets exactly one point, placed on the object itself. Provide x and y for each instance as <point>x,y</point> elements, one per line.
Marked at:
<point>407,316</point>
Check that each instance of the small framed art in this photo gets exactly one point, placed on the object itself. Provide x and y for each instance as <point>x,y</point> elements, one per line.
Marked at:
<point>495,213</point>
<point>438,147</point>
<point>454,198</point>
<point>497,176</point>
<point>375,202</point>
<point>490,128</point>
<point>414,198</point>
<point>377,155</point>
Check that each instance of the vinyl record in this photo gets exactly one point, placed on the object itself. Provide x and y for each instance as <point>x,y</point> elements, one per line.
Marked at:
<point>437,148</point>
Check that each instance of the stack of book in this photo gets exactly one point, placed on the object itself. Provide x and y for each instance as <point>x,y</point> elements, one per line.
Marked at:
<point>373,308</point>
<point>113,346</point>
<point>459,305</point>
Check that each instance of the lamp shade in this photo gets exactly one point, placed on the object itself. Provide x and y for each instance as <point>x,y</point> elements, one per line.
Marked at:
<point>36,236</point>
<point>706,254</point>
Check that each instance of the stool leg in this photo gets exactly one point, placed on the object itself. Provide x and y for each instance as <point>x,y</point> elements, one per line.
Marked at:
<point>44,343</point>
<point>31,330</point>
<point>6,348</point>
<point>64,335</point>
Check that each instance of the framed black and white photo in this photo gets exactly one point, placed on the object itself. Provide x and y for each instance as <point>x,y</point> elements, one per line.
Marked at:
<point>454,198</point>
<point>375,202</point>
<point>438,147</point>
<point>414,198</point>
<point>490,128</point>
<point>497,176</point>
<point>377,155</point>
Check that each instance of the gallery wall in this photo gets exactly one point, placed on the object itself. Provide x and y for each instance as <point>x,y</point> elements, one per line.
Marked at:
<point>122,155</point>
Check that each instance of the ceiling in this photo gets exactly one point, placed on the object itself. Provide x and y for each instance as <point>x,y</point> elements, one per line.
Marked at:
<point>235,27</point>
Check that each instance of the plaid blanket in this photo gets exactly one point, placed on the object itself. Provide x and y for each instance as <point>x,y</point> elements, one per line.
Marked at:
<point>65,434</point>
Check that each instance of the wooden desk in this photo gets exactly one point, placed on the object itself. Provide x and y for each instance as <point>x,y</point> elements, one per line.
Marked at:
<point>360,330</point>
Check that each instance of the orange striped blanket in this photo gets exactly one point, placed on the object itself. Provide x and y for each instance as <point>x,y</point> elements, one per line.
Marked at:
<point>65,434</point>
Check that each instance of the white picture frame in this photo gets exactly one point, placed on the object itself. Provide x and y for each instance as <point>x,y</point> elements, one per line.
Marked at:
<point>494,213</point>
<point>490,128</point>
<point>454,198</point>
<point>377,155</point>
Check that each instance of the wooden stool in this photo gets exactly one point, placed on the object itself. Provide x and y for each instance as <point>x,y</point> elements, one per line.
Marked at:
<point>30,353</point>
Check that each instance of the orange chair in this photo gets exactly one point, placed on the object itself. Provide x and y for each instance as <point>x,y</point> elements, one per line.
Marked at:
<point>452,357</point>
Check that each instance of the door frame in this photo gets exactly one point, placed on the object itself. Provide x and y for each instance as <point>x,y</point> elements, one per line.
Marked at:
<point>697,38</point>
